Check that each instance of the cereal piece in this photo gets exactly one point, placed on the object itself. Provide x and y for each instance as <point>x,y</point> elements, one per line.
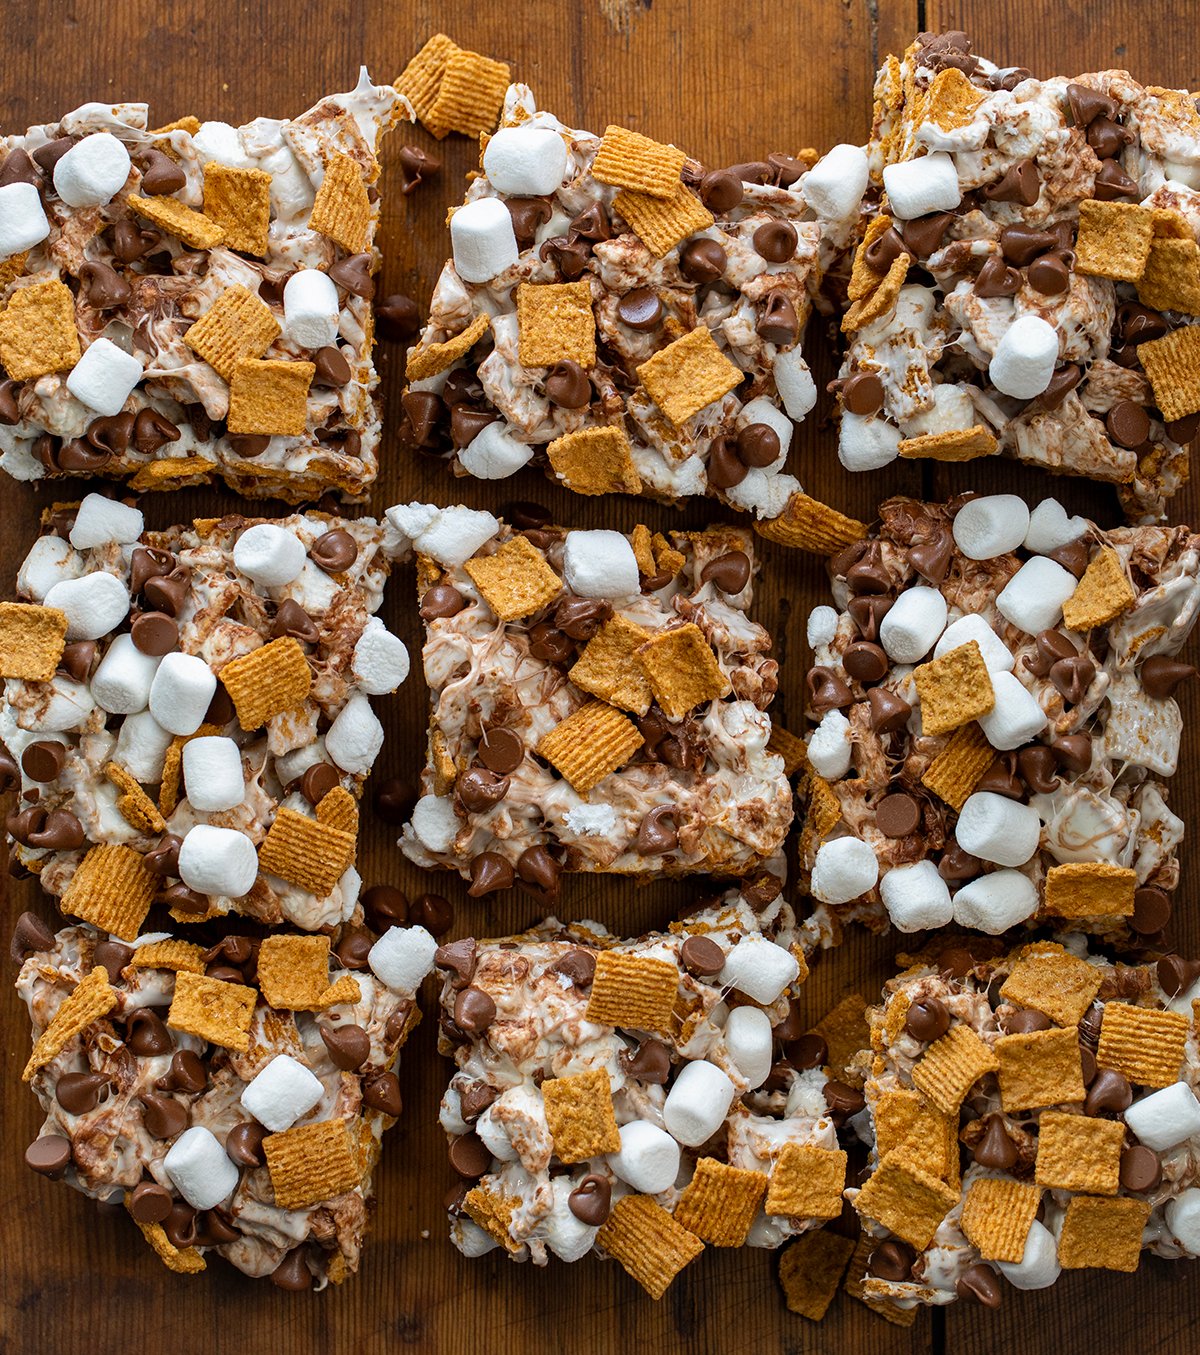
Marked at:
<point>789,747</point>
<point>1104,1234</point>
<point>1102,595</point>
<point>293,971</point>
<point>1051,980</point>
<point>579,1115</point>
<point>306,853</point>
<point>634,992</point>
<point>189,124</point>
<point>182,1260</point>
<point>555,323</point>
<point>952,100</point>
<point>341,210</point>
<point>1080,1153</point>
<point>824,807</point>
<point>237,325</point>
<point>845,1031</point>
<point>1042,1068</point>
<point>997,1215</point>
<point>688,375</point>
<point>667,560</point>
<point>595,461</point>
<point>1114,239</point>
<point>429,359</point>
<point>906,1200</point>
<point>172,472</point>
<point>311,1163</point>
<point>1171,281</point>
<point>112,888</point>
<point>719,1202</point>
<point>954,689</point>
<point>1173,365</point>
<point>470,95</point>
<point>953,774</point>
<point>239,201</point>
<point>1146,1045</point>
<point>807,1182</point>
<point>516,581</point>
<point>925,1137</point>
<point>12,268</point>
<point>32,640</point>
<point>37,331</point>
<point>1089,889</point>
<point>810,525</point>
<point>92,998</point>
<point>881,301</point>
<point>627,159</point>
<point>133,804</point>
<point>213,1010</point>
<point>662,223</point>
<point>337,808</point>
<point>856,1286</point>
<point>642,544</point>
<point>863,278</point>
<point>193,228</point>
<point>590,744</point>
<point>951,1066</point>
<point>648,1243</point>
<point>267,681</point>
<point>608,669</point>
<point>347,991</point>
<point>270,397</point>
<point>682,670</point>
<point>421,79</point>
<point>493,1213</point>
<point>956,444</point>
<point>810,1271</point>
<point>180,956</point>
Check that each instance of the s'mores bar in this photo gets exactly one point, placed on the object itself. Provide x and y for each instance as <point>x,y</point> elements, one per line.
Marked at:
<point>992,694</point>
<point>232,1098</point>
<point>1028,280</point>
<point>193,302</point>
<point>599,703</point>
<point>187,713</point>
<point>626,318</point>
<point>1028,1113</point>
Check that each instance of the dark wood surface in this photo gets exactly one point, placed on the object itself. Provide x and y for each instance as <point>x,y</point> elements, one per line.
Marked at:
<point>727,83</point>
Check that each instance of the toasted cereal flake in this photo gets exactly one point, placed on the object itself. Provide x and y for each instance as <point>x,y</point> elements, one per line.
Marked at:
<point>627,159</point>
<point>306,853</point>
<point>493,1213</point>
<point>682,670</point>
<point>956,444</point>
<point>845,1031</point>
<point>341,210</point>
<point>1171,281</point>
<point>952,100</point>
<point>32,640</point>
<point>239,201</point>
<point>311,1163</point>
<point>182,1260</point>
<point>37,331</point>
<point>1114,239</point>
<point>421,79</point>
<point>1102,1233</point>
<point>170,954</point>
<point>133,804</point>
<point>651,1246</point>
<point>856,1286</point>
<point>1146,1045</point>
<point>608,669</point>
<point>188,124</point>
<point>270,397</point>
<point>1042,1068</point>
<point>430,359</point>
<point>237,325</point>
<point>719,1202</point>
<point>951,1066</point>
<point>337,808</point>
<point>642,544</point>
<point>470,96</point>
<point>953,774</point>
<point>881,302</point>
<point>1173,365</point>
<point>579,1115</point>
<point>112,888</point>
<point>997,1215</point>
<point>347,991</point>
<point>267,681</point>
<point>172,472</point>
<point>589,744</point>
<point>12,268</point>
<point>1080,1153</point>
<point>92,998</point>
<point>863,278</point>
<point>193,228</point>
<point>213,1010</point>
<point>662,223</point>
<point>789,747</point>
<point>595,461</point>
<point>1103,593</point>
<point>1089,889</point>
<point>954,689</point>
<point>293,971</point>
<point>810,525</point>
<point>807,1182</point>
<point>1051,980</point>
<point>555,323</point>
<point>906,1200</point>
<point>922,1135</point>
<point>824,807</point>
<point>688,374</point>
<point>516,581</point>
<point>667,560</point>
<point>635,992</point>
<point>811,1269</point>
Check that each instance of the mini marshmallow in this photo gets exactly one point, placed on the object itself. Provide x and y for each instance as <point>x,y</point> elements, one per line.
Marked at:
<point>181,692</point>
<point>23,221</point>
<point>219,861</point>
<point>380,660</point>
<point>200,1168</point>
<point>867,442</point>
<point>50,560</point>
<point>99,521</point>
<point>569,1238</point>
<point>1015,717</point>
<point>913,624</point>
<point>1025,358</point>
<point>1166,1117</point>
<point>455,534</point>
<point>918,187</point>
<point>435,823</point>
<point>995,902</point>
<point>1050,527</point>
<point>829,747</point>
<point>995,828</point>
<point>269,555</point>
<point>221,142</point>
<point>834,186</point>
<point>759,968</point>
<point>142,745</point>
<point>1183,1219</point>
<point>69,706</point>
<point>1033,598</point>
<point>916,897</point>
<point>525,161</point>
<point>482,240</point>
<point>749,1043</point>
<point>697,1103</point>
<point>95,604</point>
<point>991,525</point>
<point>844,869</point>
<point>997,656</point>
<point>794,382</point>
<point>1038,1267</point>
<point>493,453</point>
<point>649,1157</point>
<point>212,774</point>
<point>283,1091</point>
<point>470,1239</point>
<point>123,678</point>
<point>92,172</point>
<point>103,378</point>
<point>821,627</point>
<point>310,308</point>
<point>600,564</point>
<point>354,739</point>
<point>402,957</point>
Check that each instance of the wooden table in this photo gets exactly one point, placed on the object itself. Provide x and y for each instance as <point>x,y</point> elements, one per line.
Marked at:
<point>728,83</point>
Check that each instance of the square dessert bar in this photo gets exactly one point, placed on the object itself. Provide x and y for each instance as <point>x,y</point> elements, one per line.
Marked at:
<point>193,302</point>
<point>233,1098</point>
<point>599,703</point>
<point>187,713</point>
<point>992,694</point>
<point>1028,280</point>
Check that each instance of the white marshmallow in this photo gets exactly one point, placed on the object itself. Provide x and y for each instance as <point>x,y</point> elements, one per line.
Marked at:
<point>220,141</point>
<point>200,1168</point>
<point>435,823</point>
<point>269,555</point>
<point>402,957</point>
<point>821,627</point>
<point>310,308</point>
<point>380,660</point>
<point>1015,717</point>
<point>830,746</point>
<point>283,1091</point>
<point>525,161</point>
<point>69,706</point>
<point>354,739</point>
<point>494,1134</point>
<point>142,745</point>
<point>697,1103</point>
<point>995,902</point>
<point>759,968</point>
<point>212,774</point>
<point>181,692</point>
<point>569,1238</point>
<point>493,453</point>
<point>1038,1267</point>
<point>834,186</point>
<point>995,828</point>
<point>649,1158</point>
<point>991,525</point>
<point>104,376</point>
<point>1183,1219</point>
<point>50,561</point>
<point>1050,527</point>
<point>844,869</point>
<point>219,861</point>
<point>600,564</point>
<point>918,187</point>
<point>23,222</point>
<point>95,604</point>
<point>1025,358</point>
<point>913,624</point>
<point>867,442</point>
<point>123,678</point>
<point>794,382</point>
<point>1033,598</point>
<point>99,521</point>
<point>482,240</point>
<point>1166,1117</point>
<point>749,1043</point>
<point>997,656</point>
<point>455,534</point>
<point>916,897</point>
<point>92,172</point>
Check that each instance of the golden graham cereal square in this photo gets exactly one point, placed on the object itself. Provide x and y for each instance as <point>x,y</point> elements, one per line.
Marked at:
<point>906,1200</point>
<point>555,323</point>
<point>237,325</point>
<point>662,223</point>
<point>595,461</point>
<point>1114,239</point>
<point>421,79</point>
<point>337,808</point>
<point>881,301</point>
<point>845,1031</point>
<point>863,278</point>
<point>954,689</point>
<point>1171,281</point>
<point>579,1115</point>
<point>470,96</point>
<point>956,444</point>
<point>642,544</point>
<point>341,209</point>
<point>1051,980</point>
<point>824,807</point>
<point>667,560</point>
<point>589,744</point>
<point>997,1215</point>
<point>182,1260</point>
<point>1042,1068</point>
<point>1103,1233</point>
<point>953,774</point>
<point>634,992</point>
<point>311,1163</point>
<point>1173,365</point>
<point>1080,1153</point>
<point>857,1281</point>
<point>170,954</point>
<point>627,159</point>
<point>682,670</point>
<point>1103,593</point>
<point>1089,889</point>
<point>293,971</point>
<point>194,229</point>
<point>789,747</point>
<point>112,889</point>
<point>37,331</point>
<point>305,853</point>
<point>807,1182</point>
<point>811,1269</point>
<point>648,1243</point>
<point>608,668</point>
<point>719,1203</point>
<point>426,360</point>
<point>270,397</point>
<point>1146,1045</point>
<point>807,524</point>
<point>951,1066</point>
<point>267,681</point>
<point>92,998</point>
<point>32,640</point>
<point>516,581</point>
<point>924,1136</point>
<point>688,375</point>
<point>239,201</point>
<point>493,1213</point>
<point>133,804</point>
<point>213,1010</point>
